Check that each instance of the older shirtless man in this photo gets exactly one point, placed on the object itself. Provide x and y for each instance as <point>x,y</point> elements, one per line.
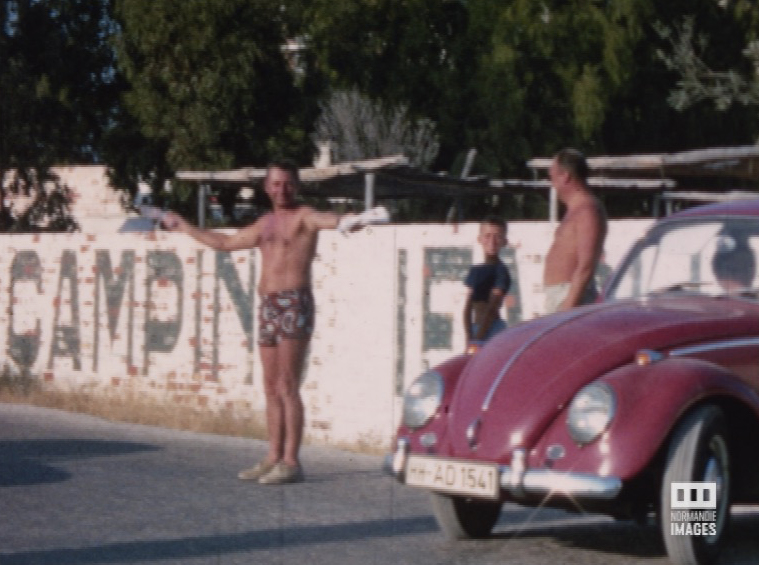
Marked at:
<point>287,239</point>
<point>579,239</point>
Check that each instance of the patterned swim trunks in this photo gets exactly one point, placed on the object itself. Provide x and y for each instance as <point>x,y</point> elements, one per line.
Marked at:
<point>287,314</point>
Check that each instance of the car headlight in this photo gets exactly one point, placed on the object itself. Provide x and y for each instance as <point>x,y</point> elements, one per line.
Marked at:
<point>591,411</point>
<point>422,399</point>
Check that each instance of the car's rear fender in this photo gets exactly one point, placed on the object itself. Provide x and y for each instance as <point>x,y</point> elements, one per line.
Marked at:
<point>650,400</point>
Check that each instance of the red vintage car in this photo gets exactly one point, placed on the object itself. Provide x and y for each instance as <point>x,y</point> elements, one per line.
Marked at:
<point>645,405</point>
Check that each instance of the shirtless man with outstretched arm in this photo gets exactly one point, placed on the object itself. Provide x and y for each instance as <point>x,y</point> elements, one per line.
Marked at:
<point>578,242</point>
<point>287,238</point>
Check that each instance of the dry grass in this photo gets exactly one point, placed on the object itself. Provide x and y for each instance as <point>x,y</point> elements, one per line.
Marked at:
<point>367,444</point>
<point>138,409</point>
<point>132,408</point>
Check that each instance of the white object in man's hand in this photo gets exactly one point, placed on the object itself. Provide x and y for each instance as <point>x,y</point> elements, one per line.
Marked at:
<point>377,215</point>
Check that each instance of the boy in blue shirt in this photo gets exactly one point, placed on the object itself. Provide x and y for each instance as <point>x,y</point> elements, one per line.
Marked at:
<point>488,285</point>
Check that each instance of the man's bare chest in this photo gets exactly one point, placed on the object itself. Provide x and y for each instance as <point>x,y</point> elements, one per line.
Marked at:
<point>277,239</point>
<point>285,234</point>
<point>565,232</point>
<point>279,229</point>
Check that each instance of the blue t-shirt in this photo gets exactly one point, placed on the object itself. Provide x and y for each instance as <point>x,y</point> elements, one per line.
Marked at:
<point>485,277</point>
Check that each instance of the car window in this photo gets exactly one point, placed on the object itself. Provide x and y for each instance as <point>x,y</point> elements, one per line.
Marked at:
<point>708,257</point>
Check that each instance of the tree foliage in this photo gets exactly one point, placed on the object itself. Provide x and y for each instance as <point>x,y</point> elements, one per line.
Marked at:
<point>413,53</point>
<point>57,96</point>
<point>725,84</point>
<point>208,79</point>
<point>521,78</point>
<point>152,86</point>
<point>361,129</point>
<point>551,69</point>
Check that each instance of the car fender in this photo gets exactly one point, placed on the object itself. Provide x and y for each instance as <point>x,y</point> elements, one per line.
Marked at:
<point>451,371</point>
<point>650,400</point>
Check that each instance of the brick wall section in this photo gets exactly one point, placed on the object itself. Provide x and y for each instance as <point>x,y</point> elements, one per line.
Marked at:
<point>155,314</point>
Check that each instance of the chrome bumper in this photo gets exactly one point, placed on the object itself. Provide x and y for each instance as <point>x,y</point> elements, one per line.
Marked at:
<point>519,481</point>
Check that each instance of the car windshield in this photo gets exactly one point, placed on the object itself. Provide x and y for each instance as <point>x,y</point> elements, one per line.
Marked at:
<point>715,256</point>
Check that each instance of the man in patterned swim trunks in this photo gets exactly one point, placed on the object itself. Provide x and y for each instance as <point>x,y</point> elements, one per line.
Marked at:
<point>287,239</point>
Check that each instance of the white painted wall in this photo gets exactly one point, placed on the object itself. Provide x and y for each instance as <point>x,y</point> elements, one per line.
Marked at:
<point>372,316</point>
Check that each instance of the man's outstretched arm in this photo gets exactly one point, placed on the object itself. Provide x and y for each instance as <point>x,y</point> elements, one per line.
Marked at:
<point>245,238</point>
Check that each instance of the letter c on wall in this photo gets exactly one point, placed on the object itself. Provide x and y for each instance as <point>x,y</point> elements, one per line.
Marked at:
<point>24,348</point>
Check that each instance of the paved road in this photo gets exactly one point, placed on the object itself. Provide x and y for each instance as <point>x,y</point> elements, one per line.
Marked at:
<point>80,490</point>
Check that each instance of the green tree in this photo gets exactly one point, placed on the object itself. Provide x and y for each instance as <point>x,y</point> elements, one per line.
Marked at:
<point>361,129</point>
<point>509,78</point>
<point>646,120</point>
<point>56,100</point>
<point>520,78</point>
<point>706,71</point>
<point>209,85</point>
<point>553,71</point>
<point>410,53</point>
<point>587,73</point>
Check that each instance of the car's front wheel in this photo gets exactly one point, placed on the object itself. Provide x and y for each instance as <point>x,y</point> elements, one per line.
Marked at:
<point>464,518</point>
<point>698,453</point>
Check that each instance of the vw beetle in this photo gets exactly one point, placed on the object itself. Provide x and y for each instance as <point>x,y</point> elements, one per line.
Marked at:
<point>644,405</point>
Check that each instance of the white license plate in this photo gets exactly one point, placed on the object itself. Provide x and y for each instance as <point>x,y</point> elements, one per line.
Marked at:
<point>453,476</point>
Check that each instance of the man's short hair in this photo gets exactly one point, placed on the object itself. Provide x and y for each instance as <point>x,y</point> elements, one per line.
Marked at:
<point>574,162</point>
<point>493,220</point>
<point>286,165</point>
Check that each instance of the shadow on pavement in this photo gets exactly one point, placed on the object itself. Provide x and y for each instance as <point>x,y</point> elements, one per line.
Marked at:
<point>216,545</point>
<point>32,462</point>
<point>618,538</point>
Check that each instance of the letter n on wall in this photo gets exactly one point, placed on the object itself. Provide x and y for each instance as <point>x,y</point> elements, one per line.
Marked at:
<point>242,300</point>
